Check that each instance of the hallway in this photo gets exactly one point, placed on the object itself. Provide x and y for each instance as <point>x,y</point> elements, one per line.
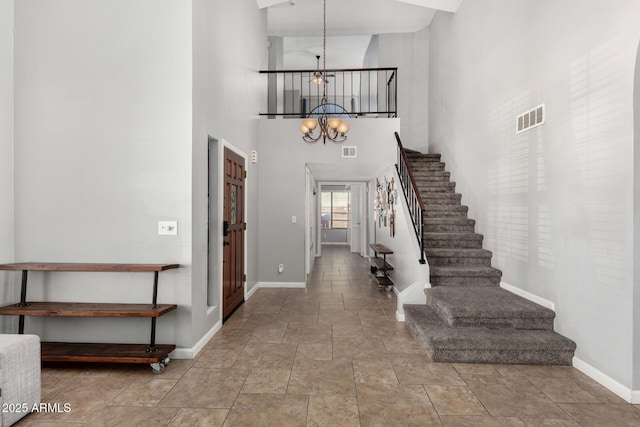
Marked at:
<point>330,355</point>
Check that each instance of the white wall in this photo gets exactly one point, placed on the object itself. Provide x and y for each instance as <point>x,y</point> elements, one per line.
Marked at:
<point>282,159</point>
<point>409,52</point>
<point>556,203</point>
<point>404,244</point>
<point>229,48</point>
<point>102,152</point>
<point>6,156</point>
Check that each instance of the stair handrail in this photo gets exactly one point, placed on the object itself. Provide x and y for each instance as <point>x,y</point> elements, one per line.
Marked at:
<point>412,196</point>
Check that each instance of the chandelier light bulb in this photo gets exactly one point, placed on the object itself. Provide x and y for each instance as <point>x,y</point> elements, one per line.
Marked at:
<point>343,128</point>
<point>304,129</point>
<point>334,122</point>
<point>310,123</point>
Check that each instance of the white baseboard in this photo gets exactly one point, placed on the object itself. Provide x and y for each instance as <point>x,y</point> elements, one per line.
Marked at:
<point>399,316</point>
<point>295,285</point>
<point>527,295</point>
<point>249,294</point>
<point>631,396</point>
<point>192,352</point>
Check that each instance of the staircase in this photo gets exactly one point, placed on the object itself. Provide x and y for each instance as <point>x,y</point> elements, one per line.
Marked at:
<point>468,317</point>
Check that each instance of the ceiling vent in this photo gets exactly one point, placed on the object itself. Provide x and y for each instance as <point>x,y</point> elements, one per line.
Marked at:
<point>530,119</point>
<point>349,152</point>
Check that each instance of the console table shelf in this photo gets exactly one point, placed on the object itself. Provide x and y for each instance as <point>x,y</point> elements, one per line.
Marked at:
<point>81,309</point>
<point>155,354</point>
<point>100,352</point>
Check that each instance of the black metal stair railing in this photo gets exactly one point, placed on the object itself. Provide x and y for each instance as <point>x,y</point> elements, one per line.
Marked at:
<point>349,92</point>
<point>412,196</point>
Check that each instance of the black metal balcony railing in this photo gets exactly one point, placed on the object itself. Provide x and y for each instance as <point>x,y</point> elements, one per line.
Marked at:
<point>349,92</point>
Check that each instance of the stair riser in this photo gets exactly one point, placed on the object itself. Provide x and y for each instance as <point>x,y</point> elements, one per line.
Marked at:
<point>453,244</point>
<point>425,157</point>
<point>524,324</point>
<point>446,228</point>
<point>464,281</point>
<point>427,166</point>
<point>430,178</point>
<point>522,357</point>
<point>446,213</point>
<point>445,199</point>
<point>448,188</point>
<point>457,261</point>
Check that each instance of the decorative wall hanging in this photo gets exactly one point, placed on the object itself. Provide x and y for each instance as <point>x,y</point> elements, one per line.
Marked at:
<point>386,199</point>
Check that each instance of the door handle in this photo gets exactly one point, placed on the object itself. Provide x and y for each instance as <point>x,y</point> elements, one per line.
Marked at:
<point>225,228</point>
<point>225,243</point>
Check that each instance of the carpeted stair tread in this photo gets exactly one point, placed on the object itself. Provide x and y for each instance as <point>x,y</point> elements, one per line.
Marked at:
<point>444,343</point>
<point>489,307</point>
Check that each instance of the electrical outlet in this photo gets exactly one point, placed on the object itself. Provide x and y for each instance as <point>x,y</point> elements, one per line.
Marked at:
<point>280,268</point>
<point>167,228</point>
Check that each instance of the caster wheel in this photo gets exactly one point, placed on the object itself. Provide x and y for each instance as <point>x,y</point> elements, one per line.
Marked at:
<point>157,368</point>
<point>166,360</point>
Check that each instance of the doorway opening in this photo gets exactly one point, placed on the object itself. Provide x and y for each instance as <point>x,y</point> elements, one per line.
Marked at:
<point>341,216</point>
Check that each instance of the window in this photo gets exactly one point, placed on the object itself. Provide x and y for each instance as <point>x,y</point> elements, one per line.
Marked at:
<point>335,209</point>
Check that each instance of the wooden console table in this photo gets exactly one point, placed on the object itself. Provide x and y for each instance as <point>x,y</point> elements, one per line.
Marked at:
<point>381,265</point>
<point>157,355</point>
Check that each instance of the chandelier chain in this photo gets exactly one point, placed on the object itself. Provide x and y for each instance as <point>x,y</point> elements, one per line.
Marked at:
<point>324,46</point>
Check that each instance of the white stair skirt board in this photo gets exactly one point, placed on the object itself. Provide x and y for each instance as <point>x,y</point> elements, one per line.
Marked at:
<point>414,293</point>
<point>527,295</point>
<point>631,396</point>
<point>295,285</point>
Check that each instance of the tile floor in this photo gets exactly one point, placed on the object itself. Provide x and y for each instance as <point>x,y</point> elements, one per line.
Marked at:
<point>330,355</point>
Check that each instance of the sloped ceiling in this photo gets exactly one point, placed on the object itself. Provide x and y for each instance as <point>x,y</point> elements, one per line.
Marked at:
<point>350,25</point>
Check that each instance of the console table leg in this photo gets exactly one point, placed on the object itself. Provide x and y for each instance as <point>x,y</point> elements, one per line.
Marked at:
<point>23,301</point>
<point>154,304</point>
<point>152,345</point>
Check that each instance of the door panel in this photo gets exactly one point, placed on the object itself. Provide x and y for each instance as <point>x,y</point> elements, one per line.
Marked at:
<point>233,230</point>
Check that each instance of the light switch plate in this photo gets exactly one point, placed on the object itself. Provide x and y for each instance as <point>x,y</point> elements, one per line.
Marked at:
<point>168,228</point>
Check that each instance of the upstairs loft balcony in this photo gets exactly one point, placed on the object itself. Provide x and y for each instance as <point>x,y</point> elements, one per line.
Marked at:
<point>350,93</point>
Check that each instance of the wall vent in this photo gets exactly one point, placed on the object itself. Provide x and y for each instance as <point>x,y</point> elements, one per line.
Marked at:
<point>530,119</point>
<point>349,152</point>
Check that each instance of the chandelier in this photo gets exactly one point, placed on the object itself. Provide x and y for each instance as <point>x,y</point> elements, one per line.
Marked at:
<point>325,126</point>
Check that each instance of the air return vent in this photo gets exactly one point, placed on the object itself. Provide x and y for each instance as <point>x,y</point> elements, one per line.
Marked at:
<point>530,119</point>
<point>349,152</point>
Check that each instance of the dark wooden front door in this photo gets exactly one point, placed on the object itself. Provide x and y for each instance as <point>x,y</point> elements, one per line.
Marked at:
<point>233,230</point>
